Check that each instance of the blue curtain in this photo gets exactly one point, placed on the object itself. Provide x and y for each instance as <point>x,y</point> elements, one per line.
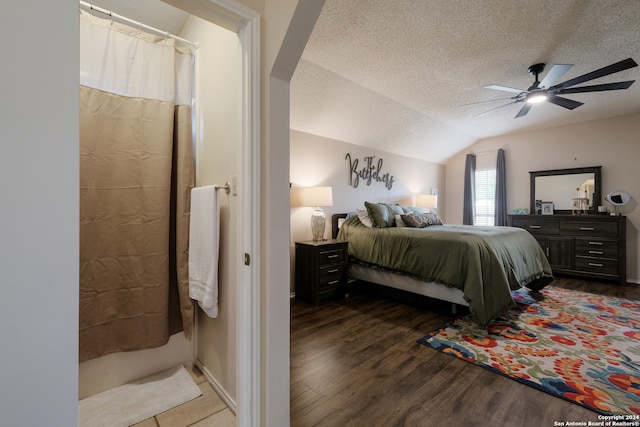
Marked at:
<point>469,203</point>
<point>501,191</point>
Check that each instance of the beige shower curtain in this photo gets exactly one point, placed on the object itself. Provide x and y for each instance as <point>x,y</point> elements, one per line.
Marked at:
<point>136,174</point>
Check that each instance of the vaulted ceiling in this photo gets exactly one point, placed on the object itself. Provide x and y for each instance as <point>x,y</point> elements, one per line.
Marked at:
<point>395,75</point>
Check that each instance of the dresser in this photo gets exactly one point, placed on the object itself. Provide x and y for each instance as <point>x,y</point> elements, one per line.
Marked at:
<point>321,270</point>
<point>582,245</point>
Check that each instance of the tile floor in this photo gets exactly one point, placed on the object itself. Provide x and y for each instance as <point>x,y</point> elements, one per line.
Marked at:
<point>205,411</point>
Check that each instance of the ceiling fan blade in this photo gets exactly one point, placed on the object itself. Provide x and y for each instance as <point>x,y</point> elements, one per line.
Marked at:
<point>504,88</point>
<point>524,110</point>
<point>597,88</point>
<point>567,103</point>
<point>554,74</point>
<point>497,108</point>
<point>488,100</point>
<point>605,71</point>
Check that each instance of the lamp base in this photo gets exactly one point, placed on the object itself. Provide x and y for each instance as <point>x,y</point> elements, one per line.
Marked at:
<point>318,221</point>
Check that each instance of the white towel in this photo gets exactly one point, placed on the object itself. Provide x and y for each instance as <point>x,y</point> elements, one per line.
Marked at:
<point>204,248</point>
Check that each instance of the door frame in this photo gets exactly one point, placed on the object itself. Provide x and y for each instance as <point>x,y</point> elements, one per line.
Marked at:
<point>245,22</point>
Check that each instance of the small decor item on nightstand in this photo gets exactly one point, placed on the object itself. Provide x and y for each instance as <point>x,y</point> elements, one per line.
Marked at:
<point>546,208</point>
<point>314,196</point>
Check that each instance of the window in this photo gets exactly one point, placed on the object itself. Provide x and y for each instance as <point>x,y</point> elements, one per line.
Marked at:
<point>485,196</point>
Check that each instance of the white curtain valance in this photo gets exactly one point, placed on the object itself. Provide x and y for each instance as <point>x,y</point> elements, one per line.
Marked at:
<point>120,59</point>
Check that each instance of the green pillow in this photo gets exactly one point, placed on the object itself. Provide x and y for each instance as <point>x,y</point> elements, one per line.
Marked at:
<point>381,214</point>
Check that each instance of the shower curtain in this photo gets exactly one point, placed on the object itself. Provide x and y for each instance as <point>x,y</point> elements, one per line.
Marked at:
<point>136,174</point>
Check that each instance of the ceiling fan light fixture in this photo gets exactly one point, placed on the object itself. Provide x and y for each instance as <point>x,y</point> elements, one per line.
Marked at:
<point>536,97</point>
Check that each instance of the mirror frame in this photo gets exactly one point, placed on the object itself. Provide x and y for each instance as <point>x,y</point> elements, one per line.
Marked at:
<point>597,191</point>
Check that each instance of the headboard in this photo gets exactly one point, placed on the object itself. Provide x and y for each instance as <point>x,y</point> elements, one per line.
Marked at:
<point>335,221</point>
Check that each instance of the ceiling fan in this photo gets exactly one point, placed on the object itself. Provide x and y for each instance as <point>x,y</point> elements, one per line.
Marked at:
<point>546,90</point>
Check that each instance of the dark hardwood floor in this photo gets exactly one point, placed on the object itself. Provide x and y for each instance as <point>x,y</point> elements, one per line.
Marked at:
<point>356,362</point>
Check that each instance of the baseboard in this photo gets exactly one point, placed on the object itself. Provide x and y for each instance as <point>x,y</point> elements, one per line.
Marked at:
<point>231,404</point>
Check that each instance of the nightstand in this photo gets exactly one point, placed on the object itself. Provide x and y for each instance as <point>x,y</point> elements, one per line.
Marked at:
<point>321,270</point>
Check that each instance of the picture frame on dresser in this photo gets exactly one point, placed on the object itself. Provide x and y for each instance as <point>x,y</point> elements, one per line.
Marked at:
<point>546,208</point>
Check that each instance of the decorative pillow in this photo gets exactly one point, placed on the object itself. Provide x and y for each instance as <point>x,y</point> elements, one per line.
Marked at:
<point>399,221</point>
<point>395,209</point>
<point>414,210</point>
<point>432,218</point>
<point>413,220</point>
<point>365,219</point>
<point>380,214</point>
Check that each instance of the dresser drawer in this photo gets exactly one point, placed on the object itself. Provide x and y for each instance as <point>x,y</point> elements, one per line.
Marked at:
<point>586,228</point>
<point>535,226</point>
<point>597,265</point>
<point>599,248</point>
<point>331,256</point>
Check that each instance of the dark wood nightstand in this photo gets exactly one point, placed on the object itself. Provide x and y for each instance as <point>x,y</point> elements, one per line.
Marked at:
<point>321,270</point>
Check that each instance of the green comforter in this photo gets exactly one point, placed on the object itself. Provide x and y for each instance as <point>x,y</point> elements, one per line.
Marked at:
<point>486,263</point>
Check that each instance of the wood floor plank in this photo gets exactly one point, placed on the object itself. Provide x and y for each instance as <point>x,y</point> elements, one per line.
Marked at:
<point>356,362</point>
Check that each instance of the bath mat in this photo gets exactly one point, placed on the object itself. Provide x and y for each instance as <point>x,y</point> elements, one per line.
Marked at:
<point>138,400</point>
<point>581,347</point>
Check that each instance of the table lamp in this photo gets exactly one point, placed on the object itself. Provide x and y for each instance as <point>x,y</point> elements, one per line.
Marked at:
<point>314,197</point>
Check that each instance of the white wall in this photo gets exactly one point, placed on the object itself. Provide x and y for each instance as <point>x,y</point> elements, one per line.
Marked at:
<point>288,25</point>
<point>219,122</point>
<point>611,143</point>
<point>39,184</point>
<point>319,161</point>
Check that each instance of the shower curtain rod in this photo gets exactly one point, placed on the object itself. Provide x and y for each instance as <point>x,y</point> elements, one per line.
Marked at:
<point>138,24</point>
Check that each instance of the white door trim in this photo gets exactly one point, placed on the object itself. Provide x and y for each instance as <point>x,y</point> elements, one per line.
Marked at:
<point>246,23</point>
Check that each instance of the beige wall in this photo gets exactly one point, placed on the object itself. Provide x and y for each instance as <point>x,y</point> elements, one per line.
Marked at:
<point>219,127</point>
<point>611,143</point>
<point>318,161</point>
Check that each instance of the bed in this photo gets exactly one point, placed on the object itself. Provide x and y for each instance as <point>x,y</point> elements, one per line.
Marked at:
<point>469,265</point>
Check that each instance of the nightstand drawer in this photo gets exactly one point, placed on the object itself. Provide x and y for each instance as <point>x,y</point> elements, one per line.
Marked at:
<point>331,256</point>
<point>597,265</point>
<point>598,248</point>
<point>330,276</point>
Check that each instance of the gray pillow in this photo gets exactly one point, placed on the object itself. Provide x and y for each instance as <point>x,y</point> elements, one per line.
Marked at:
<point>413,220</point>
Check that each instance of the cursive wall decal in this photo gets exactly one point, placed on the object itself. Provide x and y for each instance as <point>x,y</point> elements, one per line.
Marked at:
<point>370,172</point>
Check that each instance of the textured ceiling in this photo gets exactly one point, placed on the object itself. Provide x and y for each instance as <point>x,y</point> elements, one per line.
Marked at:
<point>394,75</point>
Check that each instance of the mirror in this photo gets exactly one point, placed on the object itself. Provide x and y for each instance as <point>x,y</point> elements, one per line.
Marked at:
<point>567,189</point>
<point>618,198</point>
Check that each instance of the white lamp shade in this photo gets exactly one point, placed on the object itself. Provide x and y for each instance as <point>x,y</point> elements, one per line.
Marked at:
<point>311,196</point>
<point>427,201</point>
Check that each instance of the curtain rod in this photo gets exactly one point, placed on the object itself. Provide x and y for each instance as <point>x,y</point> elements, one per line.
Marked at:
<point>480,153</point>
<point>138,24</point>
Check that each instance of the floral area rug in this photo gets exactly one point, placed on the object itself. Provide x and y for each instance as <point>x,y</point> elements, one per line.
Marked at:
<point>578,346</point>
